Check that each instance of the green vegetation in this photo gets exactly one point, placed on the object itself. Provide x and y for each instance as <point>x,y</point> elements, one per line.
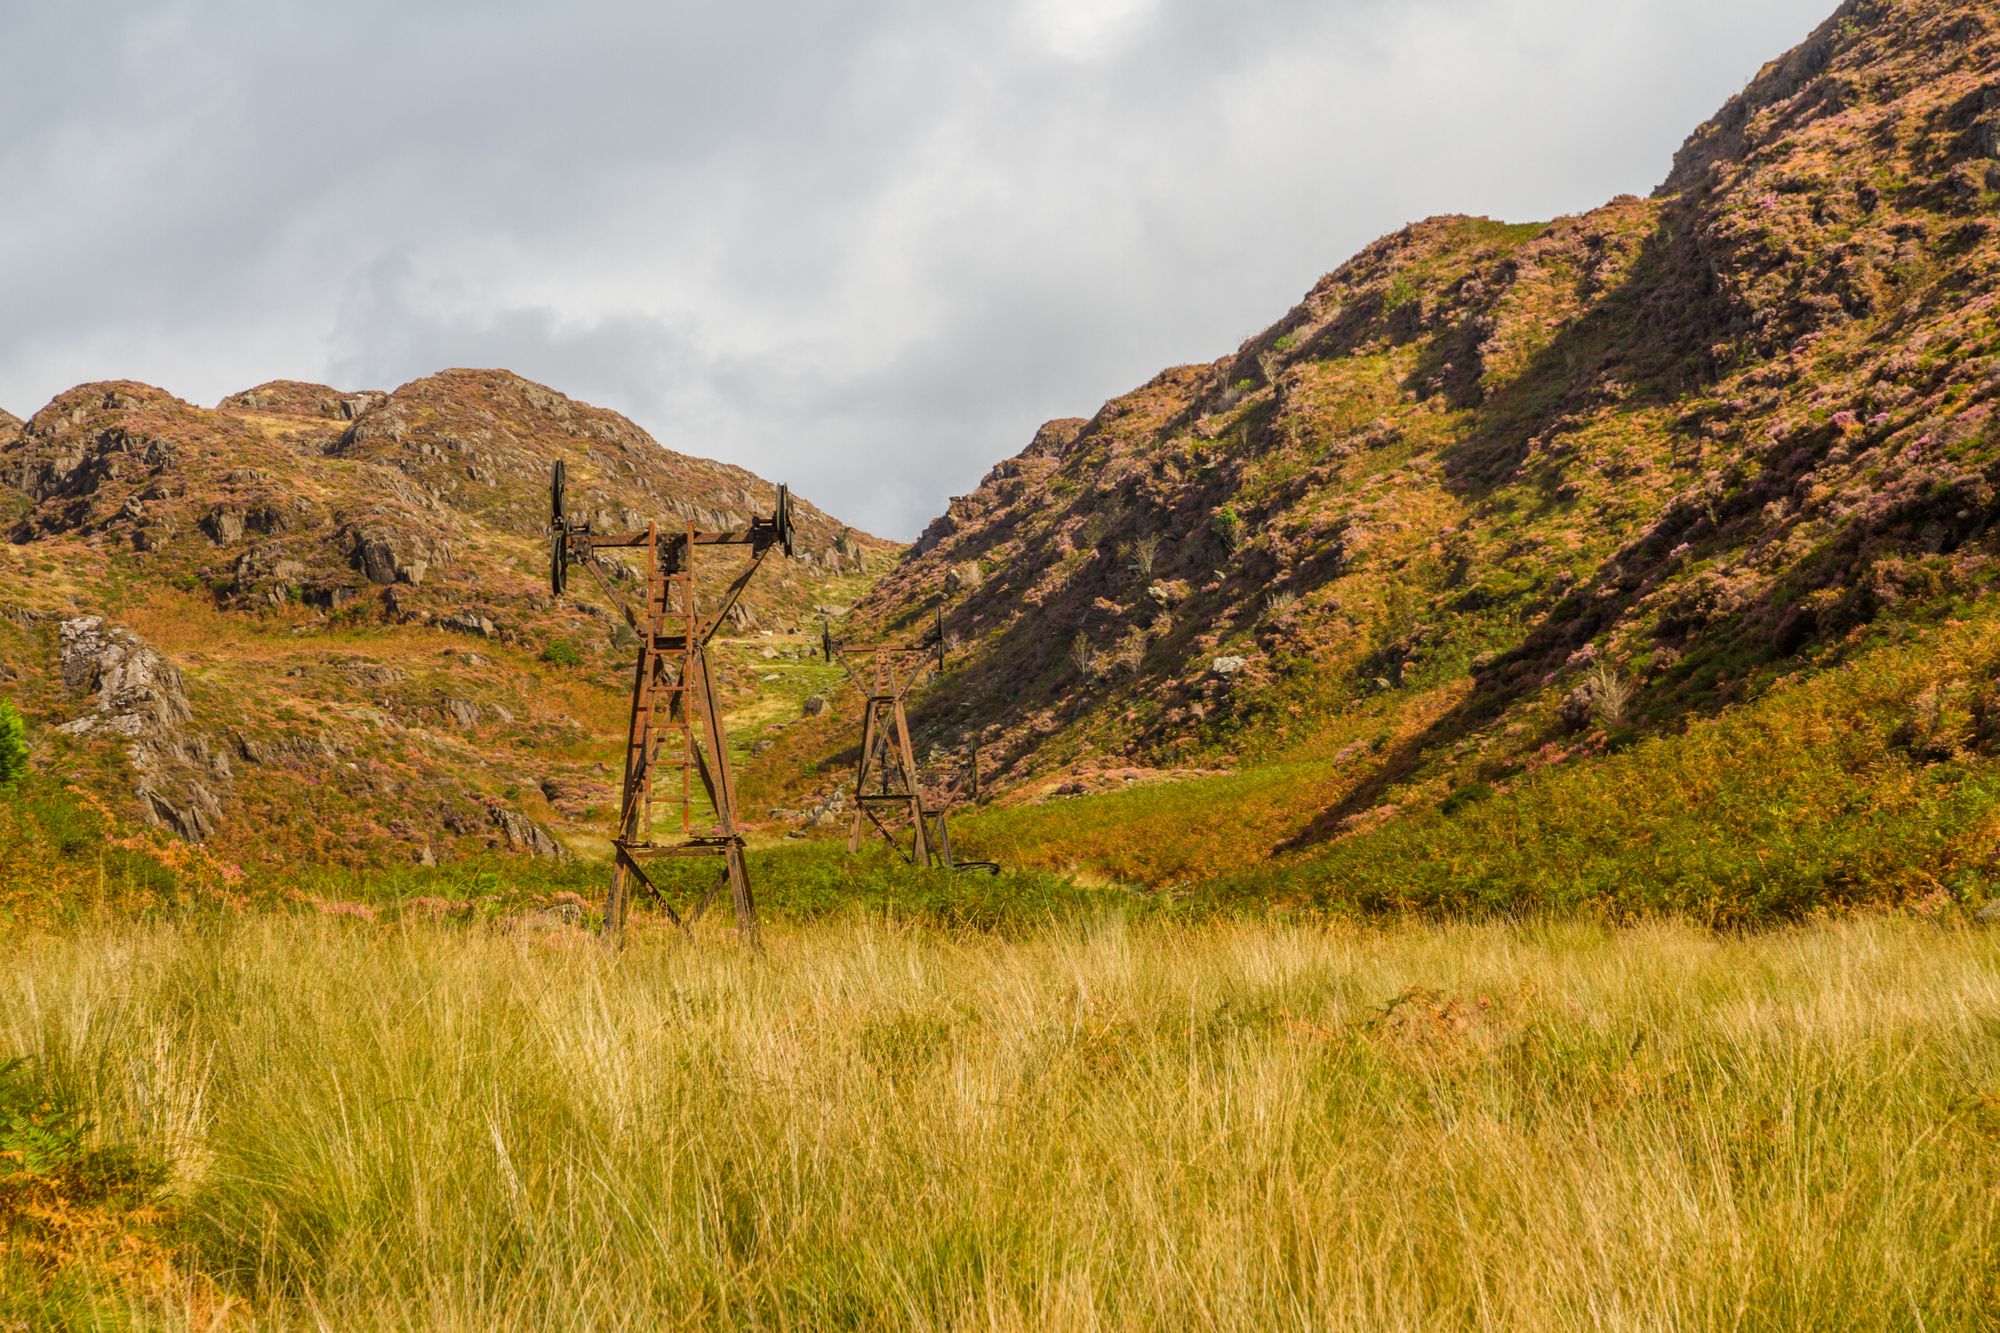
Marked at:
<point>13,744</point>
<point>1092,1125</point>
<point>1871,780</point>
<point>1573,907</point>
<point>562,652</point>
<point>1227,525</point>
<point>77,1213</point>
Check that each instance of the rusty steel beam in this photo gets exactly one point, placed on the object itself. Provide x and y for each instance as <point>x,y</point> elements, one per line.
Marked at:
<point>676,722</point>
<point>886,675</point>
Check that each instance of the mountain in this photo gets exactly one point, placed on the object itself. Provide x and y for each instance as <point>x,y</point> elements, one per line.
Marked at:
<point>317,622</point>
<point>1498,497</point>
<point>432,500</point>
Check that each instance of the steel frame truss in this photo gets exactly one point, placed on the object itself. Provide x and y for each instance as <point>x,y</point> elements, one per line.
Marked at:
<point>676,743</point>
<point>886,674</point>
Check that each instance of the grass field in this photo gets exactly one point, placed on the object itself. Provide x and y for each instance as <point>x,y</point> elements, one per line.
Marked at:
<point>275,1121</point>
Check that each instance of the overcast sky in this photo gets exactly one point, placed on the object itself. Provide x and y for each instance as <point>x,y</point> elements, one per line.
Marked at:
<point>866,246</point>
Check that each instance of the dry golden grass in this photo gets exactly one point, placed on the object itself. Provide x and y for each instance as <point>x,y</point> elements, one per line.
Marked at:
<point>1093,1126</point>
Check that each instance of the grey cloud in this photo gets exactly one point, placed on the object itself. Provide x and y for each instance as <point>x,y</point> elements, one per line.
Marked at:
<point>829,242</point>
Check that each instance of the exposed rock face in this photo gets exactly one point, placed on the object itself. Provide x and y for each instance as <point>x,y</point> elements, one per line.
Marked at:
<point>137,695</point>
<point>524,835</point>
<point>137,690</point>
<point>469,622</point>
<point>391,555</point>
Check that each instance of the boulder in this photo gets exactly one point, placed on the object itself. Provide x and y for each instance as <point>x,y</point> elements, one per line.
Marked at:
<point>826,813</point>
<point>223,526</point>
<point>469,622</point>
<point>524,835</point>
<point>386,556</point>
<point>1228,666</point>
<point>1577,707</point>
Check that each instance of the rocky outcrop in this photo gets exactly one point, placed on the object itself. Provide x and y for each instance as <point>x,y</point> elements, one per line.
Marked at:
<point>137,696</point>
<point>428,490</point>
<point>61,454</point>
<point>295,398</point>
<point>469,622</point>
<point>10,427</point>
<point>524,835</point>
<point>387,555</point>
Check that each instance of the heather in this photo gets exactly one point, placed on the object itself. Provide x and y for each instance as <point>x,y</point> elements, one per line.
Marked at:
<point>1496,499</point>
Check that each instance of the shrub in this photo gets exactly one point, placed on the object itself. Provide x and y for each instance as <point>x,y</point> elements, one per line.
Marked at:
<point>1610,696</point>
<point>1140,554</point>
<point>1471,793</point>
<point>1604,697</point>
<point>1082,656</point>
<point>60,1193</point>
<point>1228,528</point>
<point>561,652</point>
<point>13,745</point>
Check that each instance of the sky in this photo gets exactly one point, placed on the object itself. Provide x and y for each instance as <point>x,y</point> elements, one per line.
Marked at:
<point>863,246</point>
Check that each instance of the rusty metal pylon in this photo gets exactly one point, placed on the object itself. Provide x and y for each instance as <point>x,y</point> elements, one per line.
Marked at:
<point>673,668</point>
<point>885,674</point>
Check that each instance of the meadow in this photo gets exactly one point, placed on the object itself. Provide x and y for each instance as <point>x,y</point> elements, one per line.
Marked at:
<point>293,1120</point>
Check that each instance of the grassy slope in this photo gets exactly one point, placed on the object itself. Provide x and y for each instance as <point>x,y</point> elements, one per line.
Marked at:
<point>1681,452</point>
<point>1234,1126</point>
<point>1869,778</point>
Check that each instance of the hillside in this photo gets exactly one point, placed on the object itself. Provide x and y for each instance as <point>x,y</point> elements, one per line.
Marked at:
<point>1497,500</point>
<point>311,622</point>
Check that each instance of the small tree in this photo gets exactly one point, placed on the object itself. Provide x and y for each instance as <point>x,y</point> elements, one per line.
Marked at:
<point>1227,525</point>
<point>1082,655</point>
<point>1140,554</point>
<point>13,745</point>
<point>1610,696</point>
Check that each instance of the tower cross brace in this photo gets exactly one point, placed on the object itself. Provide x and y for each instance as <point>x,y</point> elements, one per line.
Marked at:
<point>676,743</point>
<point>885,675</point>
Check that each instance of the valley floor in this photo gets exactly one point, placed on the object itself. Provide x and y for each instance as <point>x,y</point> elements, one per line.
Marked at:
<point>322,1123</point>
